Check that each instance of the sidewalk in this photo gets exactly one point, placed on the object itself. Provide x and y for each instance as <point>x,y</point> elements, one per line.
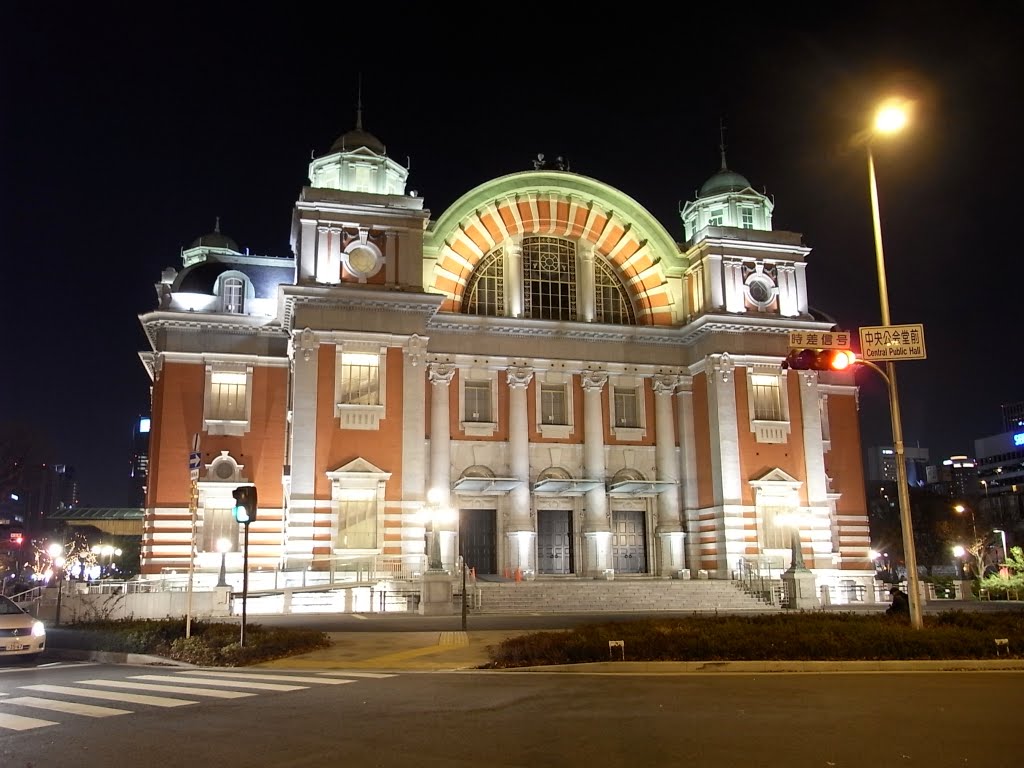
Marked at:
<point>455,651</point>
<point>406,651</point>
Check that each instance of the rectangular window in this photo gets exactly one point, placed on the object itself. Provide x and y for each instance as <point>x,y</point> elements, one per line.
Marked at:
<point>357,520</point>
<point>626,411</point>
<point>478,401</point>
<point>360,379</point>
<point>747,216</point>
<point>716,218</point>
<point>218,523</point>
<point>362,180</point>
<point>227,397</point>
<point>767,397</point>
<point>552,404</point>
<point>774,534</point>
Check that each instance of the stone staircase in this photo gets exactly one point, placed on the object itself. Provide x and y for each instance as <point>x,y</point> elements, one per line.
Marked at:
<point>623,595</point>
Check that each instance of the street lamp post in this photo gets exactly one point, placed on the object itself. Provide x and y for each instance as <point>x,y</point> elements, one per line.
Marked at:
<point>889,119</point>
<point>960,509</point>
<point>223,546</point>
<point>436,589</point>
<point>1002,536</point>
<point>57,560</point>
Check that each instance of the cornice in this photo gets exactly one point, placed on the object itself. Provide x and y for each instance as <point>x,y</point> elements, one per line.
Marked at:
<point>425,304</point>
<point>197,322</point>
<point>638,334</point>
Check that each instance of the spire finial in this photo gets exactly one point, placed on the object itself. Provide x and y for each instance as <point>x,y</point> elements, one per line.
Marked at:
<point>359,105</point>
<point>216,225</point>
<point>721,141</point>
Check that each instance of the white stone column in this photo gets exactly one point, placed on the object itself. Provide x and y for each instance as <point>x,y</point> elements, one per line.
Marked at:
<point>301,513</point>
<point>440,452</point>
<point>669,529</point>
<point>714,283</point>
<point>513,279</point>
<point>585,280</point>
<point>440,431</point>
<point>725,463</point>
<point>597,534</point>
<point>521,530</point>
<point>307,251</point>
<point>414,448</point>
<point>688,464</point>
<point>814,468</point>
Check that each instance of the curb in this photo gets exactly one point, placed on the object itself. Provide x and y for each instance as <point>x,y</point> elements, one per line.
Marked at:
<point>111,657</point>
<point>785,667</point>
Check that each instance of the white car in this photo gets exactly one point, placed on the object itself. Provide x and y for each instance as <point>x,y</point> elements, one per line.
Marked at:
<point>21,634</point>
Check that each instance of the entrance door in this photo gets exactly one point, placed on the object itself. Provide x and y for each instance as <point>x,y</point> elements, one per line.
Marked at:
<point>628,542</point>
<point>478,539</point>
<point>554,541</point>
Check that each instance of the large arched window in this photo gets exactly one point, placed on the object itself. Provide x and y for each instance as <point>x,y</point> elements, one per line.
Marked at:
<point>549,278</point>
<point>485,292</point>
<point>611,303</point>
<point>549,273</point>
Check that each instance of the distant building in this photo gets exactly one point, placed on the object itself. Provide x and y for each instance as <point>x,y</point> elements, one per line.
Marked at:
<point>1000,479</point>
<point>957,477</point>
<point>1013,416</point>
<point>882,466</point>
<point>47,488</point>
<point>140,457</point>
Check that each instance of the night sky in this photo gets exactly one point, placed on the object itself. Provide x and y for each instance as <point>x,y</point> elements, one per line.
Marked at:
<point>126,132</point>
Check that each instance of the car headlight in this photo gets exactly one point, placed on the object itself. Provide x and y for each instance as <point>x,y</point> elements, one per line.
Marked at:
<point>38,630</point>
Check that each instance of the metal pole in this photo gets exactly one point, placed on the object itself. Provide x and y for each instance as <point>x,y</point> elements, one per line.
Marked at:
<point>60,589</point>
<point>907,526</point>
<point>245,583</point>
<point>193,506</point>
<point>223,580</point>
<point>463,595</point>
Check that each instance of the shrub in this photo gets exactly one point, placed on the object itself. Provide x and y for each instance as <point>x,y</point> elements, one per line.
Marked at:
<point>209,644</point>
<point>788,637</point>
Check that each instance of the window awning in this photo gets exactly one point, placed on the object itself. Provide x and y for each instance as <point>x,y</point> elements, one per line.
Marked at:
<point>566,487</point>
<point>641,487</point>
<point>494,486</point>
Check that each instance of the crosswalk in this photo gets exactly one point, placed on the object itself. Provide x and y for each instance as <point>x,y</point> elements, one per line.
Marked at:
<point>174,689</point>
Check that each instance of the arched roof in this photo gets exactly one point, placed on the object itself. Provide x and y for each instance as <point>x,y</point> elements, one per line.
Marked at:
<point>558,204</point>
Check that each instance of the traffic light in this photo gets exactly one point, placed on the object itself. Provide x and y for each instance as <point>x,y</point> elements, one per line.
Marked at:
<point>245,504</point>
<point>819,359</point>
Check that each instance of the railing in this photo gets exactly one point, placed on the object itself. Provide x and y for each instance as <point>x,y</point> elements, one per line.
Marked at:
<point>754,576</point>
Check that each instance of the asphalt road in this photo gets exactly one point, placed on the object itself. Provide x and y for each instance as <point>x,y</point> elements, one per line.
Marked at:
<point>276,718</point>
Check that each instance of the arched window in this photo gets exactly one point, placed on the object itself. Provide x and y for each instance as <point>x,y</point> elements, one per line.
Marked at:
<point>611,302</point>
<point>485,292</point>
<point>549,278</point>
<point>232,294</point>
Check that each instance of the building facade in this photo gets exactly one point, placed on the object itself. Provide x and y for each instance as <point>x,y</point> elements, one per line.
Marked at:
<point>585,394</point>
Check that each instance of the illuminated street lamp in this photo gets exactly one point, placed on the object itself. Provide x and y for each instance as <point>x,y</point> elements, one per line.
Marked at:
<point>960,509</point>
<point>1002,536</point>
<point>223,546</point>
<point>958,553</point>
<point>436,514</point>
<point>57,560</point>
<point>891,117</point>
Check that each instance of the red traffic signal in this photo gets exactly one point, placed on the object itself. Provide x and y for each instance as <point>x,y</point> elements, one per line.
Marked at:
<point>819,359</point>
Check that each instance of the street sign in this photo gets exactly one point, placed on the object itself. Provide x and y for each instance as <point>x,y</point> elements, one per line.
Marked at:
<point>819,339</point>
<point>195,461</point>
<point>892,343</point>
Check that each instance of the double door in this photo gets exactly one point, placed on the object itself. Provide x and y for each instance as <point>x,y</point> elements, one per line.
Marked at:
<point>554,541</point>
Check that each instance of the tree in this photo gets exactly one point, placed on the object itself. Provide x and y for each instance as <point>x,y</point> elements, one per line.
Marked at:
<point>1013,581</point>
